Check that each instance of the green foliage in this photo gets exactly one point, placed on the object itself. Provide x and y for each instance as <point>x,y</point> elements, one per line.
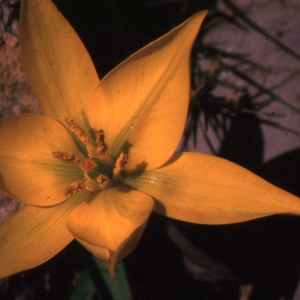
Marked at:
<point>86,288</point>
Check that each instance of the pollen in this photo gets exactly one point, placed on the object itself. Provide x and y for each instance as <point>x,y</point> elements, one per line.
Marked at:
<point>73,188</point>
<point>76,129</point>
<point>104,181</point>
<point>121,162</point>
<point>100,140</point>
<point>119,167</point>
<point>68,158</point>
<point>100,170</point>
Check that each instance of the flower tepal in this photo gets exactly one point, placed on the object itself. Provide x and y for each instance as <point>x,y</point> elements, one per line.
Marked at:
<point>102,156</point>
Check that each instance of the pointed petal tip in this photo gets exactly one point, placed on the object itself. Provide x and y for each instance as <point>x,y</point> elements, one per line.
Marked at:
<point>137,94</point>
<point>111,265</point>
<point>205,189</point>
<point>107,256</point>
<point>57,64</point>
<point>111,225</point>
<point>116,215</point>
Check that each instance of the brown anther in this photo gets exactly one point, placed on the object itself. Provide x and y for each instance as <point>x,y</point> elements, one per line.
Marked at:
<point>73,188</point>
<point>68,158</point>
<point>77,130</point>
<point>100,140</point>
<point>121,162</point>
<point>103,181</point>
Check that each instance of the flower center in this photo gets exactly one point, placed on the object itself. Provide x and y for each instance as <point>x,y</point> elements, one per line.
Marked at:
<point>100,170</point>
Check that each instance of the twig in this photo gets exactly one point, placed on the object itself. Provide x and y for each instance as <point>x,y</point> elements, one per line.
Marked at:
<point>260,30</point>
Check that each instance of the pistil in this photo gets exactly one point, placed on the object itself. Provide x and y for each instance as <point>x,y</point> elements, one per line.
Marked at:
<point>89,165</point>
<point>100,170</point>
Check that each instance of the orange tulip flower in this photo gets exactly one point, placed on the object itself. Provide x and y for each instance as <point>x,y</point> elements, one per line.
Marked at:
<point>102,156</point>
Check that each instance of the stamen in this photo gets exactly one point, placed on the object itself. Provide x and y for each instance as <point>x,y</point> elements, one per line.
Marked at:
<point>121,162</point>
<point>100,140</point>
<point>68,158</point>
<point>77,130</point>
<point>104,181</point>
<point>119,166</point>
<point>75,187</point>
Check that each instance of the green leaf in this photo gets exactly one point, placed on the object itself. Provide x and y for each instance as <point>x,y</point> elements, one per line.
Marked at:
<point>118,286</point>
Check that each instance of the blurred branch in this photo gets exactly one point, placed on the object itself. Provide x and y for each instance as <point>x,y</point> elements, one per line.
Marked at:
<point>199,264</point>
<point>260,87</point>
<point>260,30</point>
<point>212,51</point>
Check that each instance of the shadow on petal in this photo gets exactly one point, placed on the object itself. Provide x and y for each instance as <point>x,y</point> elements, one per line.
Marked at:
<point>114,257</point>
<point>114,220</point>
<point>204,189</point>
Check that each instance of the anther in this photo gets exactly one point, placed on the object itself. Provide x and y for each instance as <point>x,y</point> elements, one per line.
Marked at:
<point>73,188</point>
<point>68,158</point>
<point>104,181</point>
<point>77,130</point>
<point>100,140</point>
<point>121,162</point>
<point>119,166</point>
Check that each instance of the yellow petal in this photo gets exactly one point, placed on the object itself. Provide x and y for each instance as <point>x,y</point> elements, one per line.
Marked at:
<point>125,248</point>
<point>206,189</point>
<point>114,221</point>
<point>113,257</point>
<point>59,68</point>
<point>141,105</point>
<point>99,252</point>
<point>28,170</point>
<point>34,235</point>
